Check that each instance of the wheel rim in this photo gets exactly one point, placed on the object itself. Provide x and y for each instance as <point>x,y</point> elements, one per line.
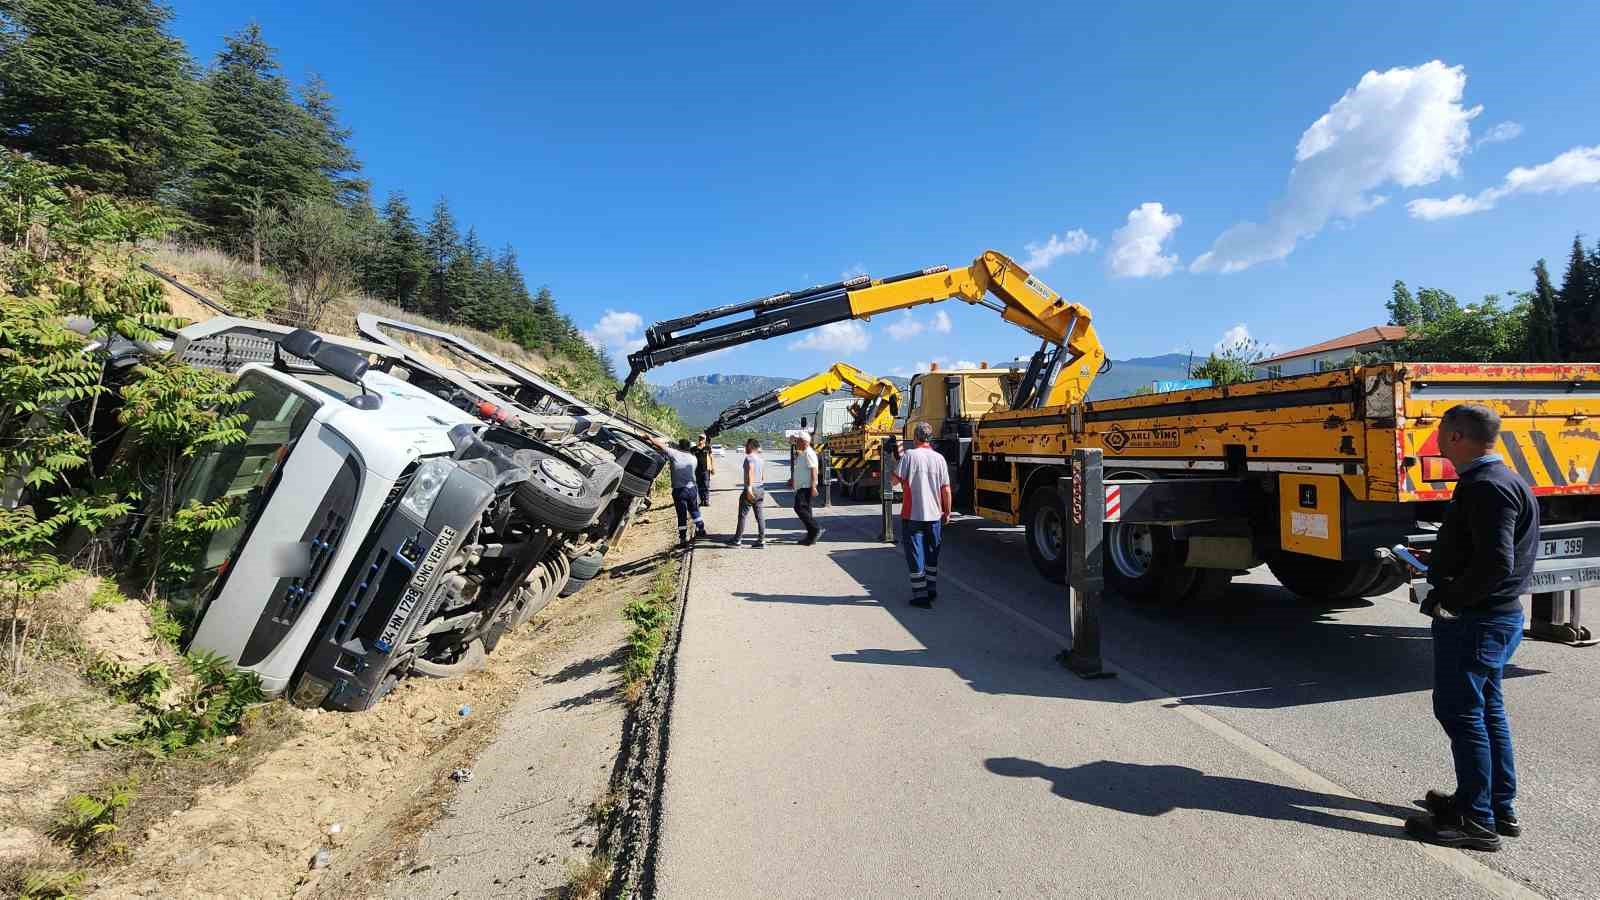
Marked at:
<point>1133,548</point>
<point>560,474</point>
<point>1047,532</point>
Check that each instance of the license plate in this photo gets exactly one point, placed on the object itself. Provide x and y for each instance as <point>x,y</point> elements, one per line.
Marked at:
<point>1561,547</point>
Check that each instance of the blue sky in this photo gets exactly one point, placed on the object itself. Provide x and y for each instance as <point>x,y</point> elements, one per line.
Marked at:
<point>647,161</point>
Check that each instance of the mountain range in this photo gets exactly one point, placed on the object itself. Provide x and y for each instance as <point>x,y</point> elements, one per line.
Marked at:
<point>699,399</point>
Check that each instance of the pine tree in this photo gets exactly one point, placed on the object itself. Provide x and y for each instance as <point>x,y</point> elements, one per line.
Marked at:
<point>469,299</point>
<point>339,163</point>
<point>443,245</point>
<point>1434,304</point>
<point>1544,340</point>
<point>101,89</point>
<point>265,143</point>
<point>1575,306</point>
<point>399,263</point>
<point>1403,309</point>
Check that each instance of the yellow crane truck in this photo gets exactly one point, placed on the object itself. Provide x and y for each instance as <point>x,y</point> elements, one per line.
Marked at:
<point>854,452</point>
<point>1316,475</point>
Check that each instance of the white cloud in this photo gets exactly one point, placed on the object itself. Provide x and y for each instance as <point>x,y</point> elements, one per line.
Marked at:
<point>835,337</point>
<point>1500,133</point>
<point>1233,337</point>
<point>854,271</point>
<point>617,333</point>
<point>963,364</point>
<point>902,372</point>
<point>1405,127</point>
<point>907,326</point>
<point>1074,242</point>
<point>1575,168</point>
<point>1136,247</point>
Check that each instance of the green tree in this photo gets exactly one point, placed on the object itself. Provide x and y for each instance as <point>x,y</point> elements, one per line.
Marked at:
<point>399,264</point>
<point>1576,306</point>
<point>267,149</point>
<point>101,89</point>
<point>1434,304</point>
<point>443,244</point>
<point>1544,340</point>
<point>316,244</point>
<point>1403,308</point>
<point>1479,332</point>
<point>339,164</point>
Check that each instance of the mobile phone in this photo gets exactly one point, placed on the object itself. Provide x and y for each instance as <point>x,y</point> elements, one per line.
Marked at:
<point>1404,554</point>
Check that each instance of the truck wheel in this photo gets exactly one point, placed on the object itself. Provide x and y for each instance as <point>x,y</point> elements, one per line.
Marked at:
<point>584,569</point>
<point>1324,580</point>
<point>1144,563</point>
<point>640,463</point>
<point>1045,530</point>
<point>1388,579</point>
<point>556,493</point>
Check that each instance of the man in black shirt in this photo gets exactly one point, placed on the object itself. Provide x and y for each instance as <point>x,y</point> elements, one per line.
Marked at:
<point>1481,565</point>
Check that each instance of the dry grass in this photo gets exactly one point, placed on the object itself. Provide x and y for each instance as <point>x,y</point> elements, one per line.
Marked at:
<point>212,270</point>
<point>587,879</point>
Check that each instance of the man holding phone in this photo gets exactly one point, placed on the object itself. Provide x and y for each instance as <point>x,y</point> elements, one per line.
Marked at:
<point>1481,564</point>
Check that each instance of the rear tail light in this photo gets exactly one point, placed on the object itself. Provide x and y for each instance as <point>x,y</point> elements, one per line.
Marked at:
<point>1437,468</point>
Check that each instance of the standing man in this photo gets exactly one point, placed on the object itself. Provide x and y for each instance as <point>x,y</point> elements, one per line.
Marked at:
<point>1480,566</point>
<point>925,478</point>
<point>805,487</point>
<point>705,466</point>
<point>753,494</point>
<point>685,493</point>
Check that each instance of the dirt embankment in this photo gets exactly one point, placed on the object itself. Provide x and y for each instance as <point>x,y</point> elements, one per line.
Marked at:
<point>248,817</point>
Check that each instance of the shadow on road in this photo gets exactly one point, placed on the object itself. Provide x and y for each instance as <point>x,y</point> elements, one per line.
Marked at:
<point>1156,790</point>
<point>1259,647</point>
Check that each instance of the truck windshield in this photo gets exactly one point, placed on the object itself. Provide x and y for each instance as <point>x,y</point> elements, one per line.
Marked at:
<point>239,473</point>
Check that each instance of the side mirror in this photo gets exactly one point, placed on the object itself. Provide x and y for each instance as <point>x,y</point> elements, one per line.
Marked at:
<point>346,364</point>
<point>302,343</point>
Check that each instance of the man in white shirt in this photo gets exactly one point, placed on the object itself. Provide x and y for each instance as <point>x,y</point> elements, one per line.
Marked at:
<point>924,511</point>
<point>805,487</point>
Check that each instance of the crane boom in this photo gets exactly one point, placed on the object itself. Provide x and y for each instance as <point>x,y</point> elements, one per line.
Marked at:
<point>880,393</point>
<point>1068,361</point>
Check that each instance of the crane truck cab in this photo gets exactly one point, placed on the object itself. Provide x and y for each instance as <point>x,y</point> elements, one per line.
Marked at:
<point>952,401</point>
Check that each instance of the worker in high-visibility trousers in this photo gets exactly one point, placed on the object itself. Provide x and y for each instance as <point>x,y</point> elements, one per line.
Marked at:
<point>925,478</point>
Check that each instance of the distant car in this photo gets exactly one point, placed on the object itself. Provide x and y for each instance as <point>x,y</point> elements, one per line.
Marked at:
<point>718,450</point>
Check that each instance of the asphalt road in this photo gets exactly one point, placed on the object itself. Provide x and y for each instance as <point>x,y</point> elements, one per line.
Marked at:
<point>830,740</point>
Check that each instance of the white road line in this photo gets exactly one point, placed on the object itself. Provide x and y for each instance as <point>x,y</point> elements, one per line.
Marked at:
<point>1464,865</point>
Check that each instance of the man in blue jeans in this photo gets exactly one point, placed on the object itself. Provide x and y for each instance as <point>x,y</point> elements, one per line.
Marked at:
<point>924,512</point>
<point>1480,566</point>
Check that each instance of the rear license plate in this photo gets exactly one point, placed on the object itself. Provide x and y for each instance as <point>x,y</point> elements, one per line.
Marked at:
<point>1561,547</point>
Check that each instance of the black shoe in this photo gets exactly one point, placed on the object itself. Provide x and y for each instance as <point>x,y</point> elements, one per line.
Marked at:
<point>807,541</point>
<point>817,534</point>
<point>734,542</point>
<point>1462,835</point>
<point>922,603</point>
<point>1443,807</point>
<point>759,545</point>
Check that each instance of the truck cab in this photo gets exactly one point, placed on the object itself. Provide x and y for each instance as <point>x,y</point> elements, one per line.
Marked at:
<point>953,401</point>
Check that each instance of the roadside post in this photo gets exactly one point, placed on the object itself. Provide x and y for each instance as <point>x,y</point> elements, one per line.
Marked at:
<point>1084,496</point>
<point>886,487</point>
<point>826,478</point>
<point>1557,616</point>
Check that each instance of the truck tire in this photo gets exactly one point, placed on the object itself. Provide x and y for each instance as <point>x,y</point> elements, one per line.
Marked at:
<point>1389,578</point>
<point>1324,580</point>
<point>640,462</point>
<point>557,494</point>
<point>1045,532</point>
<point>1144,563</point>
<point>584,569</point>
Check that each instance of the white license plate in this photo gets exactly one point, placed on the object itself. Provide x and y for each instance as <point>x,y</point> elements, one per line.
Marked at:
<point>1560,547</point>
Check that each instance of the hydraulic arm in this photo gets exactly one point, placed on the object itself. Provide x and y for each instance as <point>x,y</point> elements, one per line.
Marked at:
<point>1061,371</point>
<point>879,395</point>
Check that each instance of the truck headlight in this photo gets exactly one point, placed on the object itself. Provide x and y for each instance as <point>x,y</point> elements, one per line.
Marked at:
<point>425,487</point>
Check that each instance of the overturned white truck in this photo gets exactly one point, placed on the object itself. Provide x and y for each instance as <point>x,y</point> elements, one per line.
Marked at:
<point>393,517</point>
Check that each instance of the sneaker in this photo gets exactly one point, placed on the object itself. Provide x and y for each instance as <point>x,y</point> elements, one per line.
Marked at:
<point>759,545</point>
<point>1461,834</point>
<point>733,542</point>
<point>1443,807</point>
